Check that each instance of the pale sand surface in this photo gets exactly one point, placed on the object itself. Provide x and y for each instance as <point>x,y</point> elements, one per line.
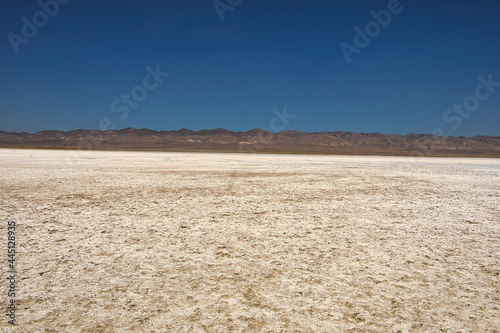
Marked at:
<point>186,242</point>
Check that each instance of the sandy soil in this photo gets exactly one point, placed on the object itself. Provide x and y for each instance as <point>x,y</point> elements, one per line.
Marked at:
<point>178,242</point>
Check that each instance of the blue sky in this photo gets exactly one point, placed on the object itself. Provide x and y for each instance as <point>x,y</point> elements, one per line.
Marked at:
<point>263,55</point>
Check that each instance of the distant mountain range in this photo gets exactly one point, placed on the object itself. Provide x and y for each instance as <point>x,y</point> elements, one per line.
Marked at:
<point>258,141</point>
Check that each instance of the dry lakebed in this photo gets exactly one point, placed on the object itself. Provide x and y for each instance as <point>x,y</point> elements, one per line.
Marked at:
<point>199,242</point>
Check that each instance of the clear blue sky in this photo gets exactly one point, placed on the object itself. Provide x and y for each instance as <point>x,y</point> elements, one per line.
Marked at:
<point>263,55</point>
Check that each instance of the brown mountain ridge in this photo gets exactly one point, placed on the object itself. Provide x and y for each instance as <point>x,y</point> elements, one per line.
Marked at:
<point>257,141</point>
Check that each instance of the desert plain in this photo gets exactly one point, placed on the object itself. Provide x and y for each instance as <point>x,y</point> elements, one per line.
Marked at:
<point>199,242</point>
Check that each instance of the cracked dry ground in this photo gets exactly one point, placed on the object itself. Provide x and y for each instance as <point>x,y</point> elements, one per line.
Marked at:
<point>174,242</point>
